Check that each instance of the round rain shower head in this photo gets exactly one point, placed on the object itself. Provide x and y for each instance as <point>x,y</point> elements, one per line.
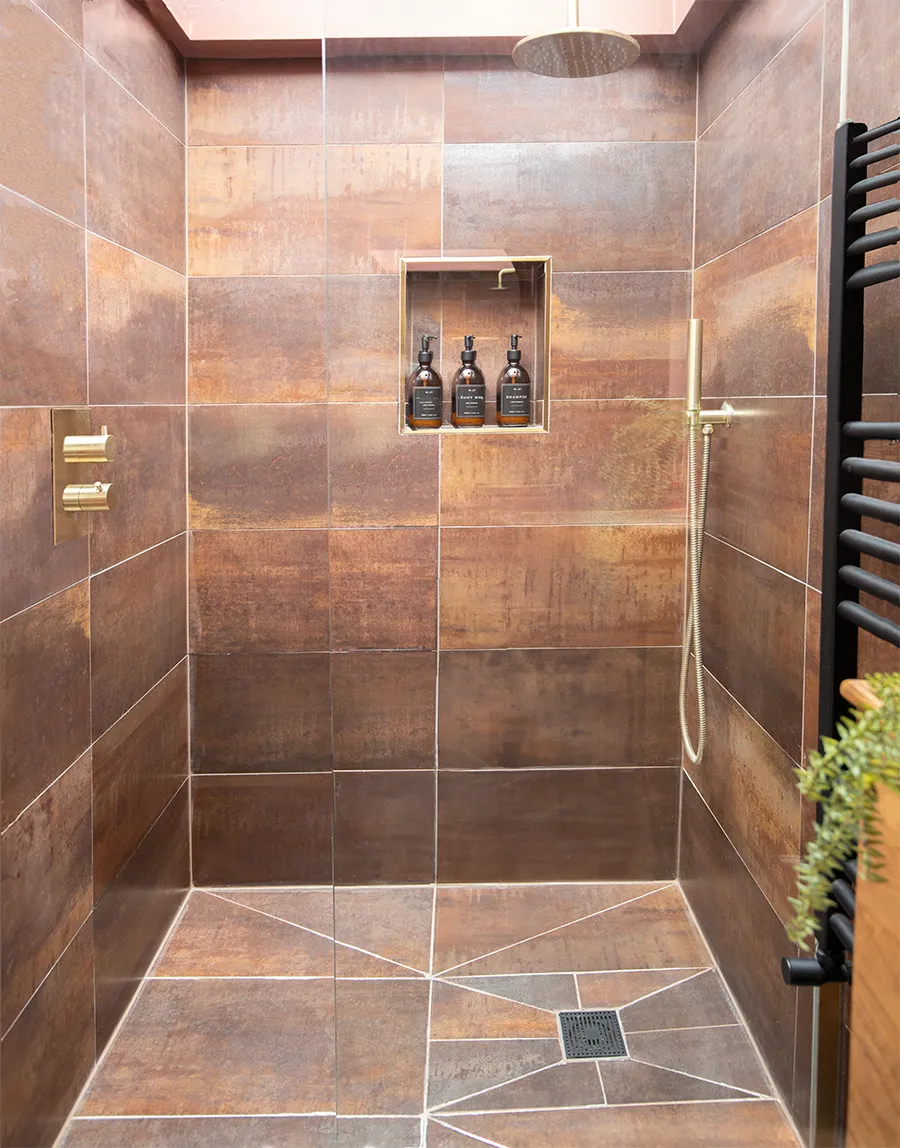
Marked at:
<point>575,53</point>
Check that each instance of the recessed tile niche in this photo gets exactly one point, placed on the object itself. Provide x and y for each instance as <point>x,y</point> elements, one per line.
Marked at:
<point>490,297</point>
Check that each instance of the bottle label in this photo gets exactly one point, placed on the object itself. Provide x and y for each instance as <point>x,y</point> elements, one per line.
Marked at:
<point>426,402</point>
<point>470,400</point>
<point>515,400</point>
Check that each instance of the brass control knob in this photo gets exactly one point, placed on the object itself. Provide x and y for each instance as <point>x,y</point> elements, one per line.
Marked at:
<point>89,447</point>
<point>90,496</point>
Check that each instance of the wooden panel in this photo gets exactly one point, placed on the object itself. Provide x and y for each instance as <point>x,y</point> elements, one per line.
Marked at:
<point>874,1100</point>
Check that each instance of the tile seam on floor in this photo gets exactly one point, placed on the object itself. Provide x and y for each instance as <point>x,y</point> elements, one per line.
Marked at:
<point>324,936</point>
<point>601,1107</point>
<point>486,1039</point>
<point>681,1028</point>
<point>468,1135</point>
<point>497,996</point>
<point>493,1087</point>
<point>557,928</point>
<point>693,1075</point>
<point>665,988</point>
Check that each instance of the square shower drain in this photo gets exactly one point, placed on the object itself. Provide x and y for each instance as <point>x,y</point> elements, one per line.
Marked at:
<point>589,1034</point>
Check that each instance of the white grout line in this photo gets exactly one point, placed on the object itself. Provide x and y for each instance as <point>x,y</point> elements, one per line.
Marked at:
<point>684,1028</point>
<point>488,1040</point>
<point>469,1135</point>
<point>493,1088</point>
<point>695,1076</point>
<point>496,996</point>
<point>556,929</point>
<point>665,988</point>
<point>324,936</point>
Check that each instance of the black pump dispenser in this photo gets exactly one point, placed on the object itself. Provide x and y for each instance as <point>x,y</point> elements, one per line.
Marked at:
<point>425,391</point>
<point>514,389</point>
<point>468,392</point>
<point>426,354</point>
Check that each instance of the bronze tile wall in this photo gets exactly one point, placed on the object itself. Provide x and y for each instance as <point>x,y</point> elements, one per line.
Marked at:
<point>93,669</point>
<point>768,105</point>
<point>447,646</point>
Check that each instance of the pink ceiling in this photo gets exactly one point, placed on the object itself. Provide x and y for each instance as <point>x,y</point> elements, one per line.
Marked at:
<point>279,27</point>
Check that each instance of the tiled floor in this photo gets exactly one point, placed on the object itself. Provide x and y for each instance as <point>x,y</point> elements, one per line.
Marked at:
<point>406,1017</point>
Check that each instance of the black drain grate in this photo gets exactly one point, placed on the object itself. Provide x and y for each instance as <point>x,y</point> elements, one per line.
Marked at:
<point>591,1034</point>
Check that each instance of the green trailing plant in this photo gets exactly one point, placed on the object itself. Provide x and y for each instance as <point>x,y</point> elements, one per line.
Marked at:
<point>844,777</point>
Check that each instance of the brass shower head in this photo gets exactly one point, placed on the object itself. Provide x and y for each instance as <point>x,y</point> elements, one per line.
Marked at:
<point>575,53</point>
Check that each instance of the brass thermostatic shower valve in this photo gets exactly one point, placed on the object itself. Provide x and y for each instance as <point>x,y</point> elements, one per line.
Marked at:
<point>75,451</point>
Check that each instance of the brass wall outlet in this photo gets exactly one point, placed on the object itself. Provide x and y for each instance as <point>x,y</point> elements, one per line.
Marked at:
<point>74,451</point>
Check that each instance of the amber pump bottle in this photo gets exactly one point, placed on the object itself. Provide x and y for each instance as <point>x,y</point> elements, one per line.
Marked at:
<point>468,392</point>
<point>513,389</point>
<point>425,392</point>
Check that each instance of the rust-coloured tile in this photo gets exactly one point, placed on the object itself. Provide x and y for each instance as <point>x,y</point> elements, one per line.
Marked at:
<point>135,173</point>
<point>220,1046</point>
<point>741,46</point>
<point>384,827</point>
<point>259,340</point>
<point>817,495</point>
<point>383,588</point>
<point>138,765</point>
<point>383,201</point>
<point>258,467</point>
<point>48,1054</point>
<point>748,781</point>
<point>259,591</point>
<point>362,338</point>
<point>395,923</point>
<point>743,149</point>
<point>266,829</point>
<point>561,586</point>
<point>123,38</point>
<point>460,1014</point>
<point>377,476</point>
<point>46,889</point>
<point>254,101</point>
<point>42,320</point>
<point>489,100</point>
<point>620,335</point>
<point>759,307</point>
<point>753,639</point>
<point>311,908</point>
<point>66,13</point>
<point>823,290</point>
<point>216,938</point>
<point>148,471</point>
<point>138,628</point>
<point>381,1032</point>
<point>45,695</point>
<point>33,568</point>
<point>41,132</point>
<point>744,932</point>
<point>134,914</point>
<point>458,1069</point>
<point>723,1054</point>
<point>204,1132</point>
<point>560,1086</point>
<point>385,1131</point>
<point>260,713</point>
<point>440,1136</point>
<point>872,90</point>
<point>474,920</point>
<point>515,708</point>
<point>383,706</point>
<point>384,99</point>
<point>256,210</point>
<point>832,49</point>
<point>702,1000</point>
<point>529,199</point>
<point>135,327</point>
<point>650,932</point>
<point>632,1082</point>
<point>759,482</point>
<point>553,991</point>
<point>726,1125</point>
<point>616,989</point>
<point>811,672</point>
<point>561,478</point>
<point>620,825</point>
